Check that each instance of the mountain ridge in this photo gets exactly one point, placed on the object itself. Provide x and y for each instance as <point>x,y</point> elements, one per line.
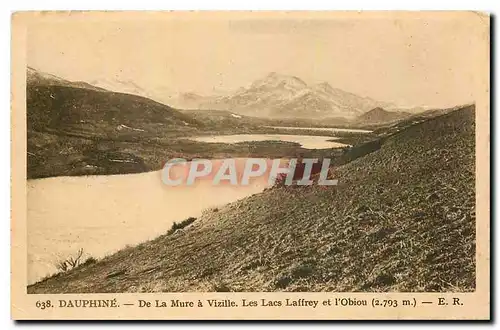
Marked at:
<point>276,95</point>
<point>40,78</point>
<point>284,96</point>
<point>379,115</point>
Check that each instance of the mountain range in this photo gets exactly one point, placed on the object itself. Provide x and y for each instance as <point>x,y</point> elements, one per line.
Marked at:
<point>273,96</point>
<point>282,96</point>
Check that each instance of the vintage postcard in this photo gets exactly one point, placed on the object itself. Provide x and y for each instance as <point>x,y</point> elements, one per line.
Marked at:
<point>250,165</point>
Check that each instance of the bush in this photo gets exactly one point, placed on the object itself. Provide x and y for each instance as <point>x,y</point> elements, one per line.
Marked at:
<point>70,262</point>
<point>89,261</point>
<point>176,226</point>
<point>74,261</point>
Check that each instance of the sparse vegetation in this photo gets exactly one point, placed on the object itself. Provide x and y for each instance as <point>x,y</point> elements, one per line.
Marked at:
<point>221,287</point>
<point>70,262</point>
<point>180,225</point>
<point>89,261</point>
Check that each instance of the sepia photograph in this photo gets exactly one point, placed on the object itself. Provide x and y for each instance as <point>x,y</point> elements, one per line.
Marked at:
<point>246,152</point>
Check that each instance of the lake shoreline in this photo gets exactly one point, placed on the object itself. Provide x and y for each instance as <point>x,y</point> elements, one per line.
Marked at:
<point>66,214</point>
<point>79,156</point>
<point>304,141</point>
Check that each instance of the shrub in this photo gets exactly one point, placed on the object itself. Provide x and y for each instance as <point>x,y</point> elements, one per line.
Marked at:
<point>176,226</point>
<point>89,261</point>
<point>74,261</point>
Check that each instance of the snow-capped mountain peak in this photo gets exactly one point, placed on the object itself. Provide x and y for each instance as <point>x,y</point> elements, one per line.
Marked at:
<point>324,87</point>
<point>275,80</point>
<point>285,96</point>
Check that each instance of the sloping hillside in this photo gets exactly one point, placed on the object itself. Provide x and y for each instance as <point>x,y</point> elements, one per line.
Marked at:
<point>35,77</point>
<point>75,128</point>
<point>379,115</point>
<point>62,108</point>
<point>159,93</point>
<point>401,219</point>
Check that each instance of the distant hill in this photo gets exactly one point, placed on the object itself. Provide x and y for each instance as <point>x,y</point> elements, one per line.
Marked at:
<point>120,86</point>
<point>379,115</point>
<point>401,219</point>
<point>38,78</point>
<point>57,104</point>
<point>222,118</point>
<point>158,94</point>
<point>75,128</point>
<point>193,101</point>
<point>282,96</point>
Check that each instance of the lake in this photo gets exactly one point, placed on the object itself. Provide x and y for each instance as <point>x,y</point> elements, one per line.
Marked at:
<point>325,129</point>
<point>305,141</point>
<point>103,214</point>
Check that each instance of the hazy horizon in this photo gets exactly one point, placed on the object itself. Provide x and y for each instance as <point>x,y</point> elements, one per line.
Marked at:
<point>426,61</point>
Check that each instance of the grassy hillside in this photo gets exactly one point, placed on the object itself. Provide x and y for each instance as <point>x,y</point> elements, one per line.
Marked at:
<point>96,112</point>
<point>401,219</point>
<point>35,77</point>
<point>75,128</point>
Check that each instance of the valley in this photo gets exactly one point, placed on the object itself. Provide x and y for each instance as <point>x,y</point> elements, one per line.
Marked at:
<point>75,128</point>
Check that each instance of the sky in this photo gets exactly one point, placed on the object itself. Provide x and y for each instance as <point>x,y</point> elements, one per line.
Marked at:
<point>410,59</point>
